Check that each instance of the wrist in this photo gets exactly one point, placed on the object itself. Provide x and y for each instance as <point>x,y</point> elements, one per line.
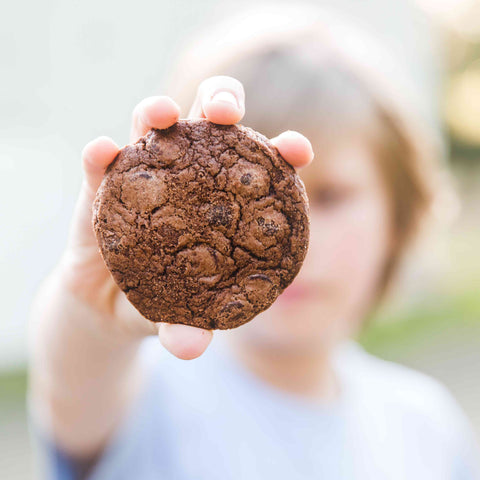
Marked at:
<point>71,349</point>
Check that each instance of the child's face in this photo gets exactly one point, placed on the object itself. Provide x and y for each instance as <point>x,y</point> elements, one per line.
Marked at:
<point>349,244</point>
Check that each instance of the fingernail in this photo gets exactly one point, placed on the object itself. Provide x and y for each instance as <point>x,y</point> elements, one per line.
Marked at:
<point>225,97</point>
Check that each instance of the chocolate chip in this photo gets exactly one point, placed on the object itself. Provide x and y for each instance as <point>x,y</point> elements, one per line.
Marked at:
<point>219,215</point>
<point>246,178</point>
<point>260,276</point>
<point>270,228</point>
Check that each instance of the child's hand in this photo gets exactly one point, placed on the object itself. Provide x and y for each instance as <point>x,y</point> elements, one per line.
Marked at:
<point>82,269</point>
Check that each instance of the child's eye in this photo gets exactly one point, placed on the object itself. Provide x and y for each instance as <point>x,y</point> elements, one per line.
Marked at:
<point>329,197</point>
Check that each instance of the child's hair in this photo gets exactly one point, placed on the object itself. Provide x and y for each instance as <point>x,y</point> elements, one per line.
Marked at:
<point>304,69</point>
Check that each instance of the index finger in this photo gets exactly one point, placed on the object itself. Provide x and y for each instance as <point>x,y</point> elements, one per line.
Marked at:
<point>153,112</point>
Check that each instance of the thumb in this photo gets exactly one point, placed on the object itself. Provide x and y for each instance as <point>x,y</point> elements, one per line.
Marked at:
<point>96,156</point>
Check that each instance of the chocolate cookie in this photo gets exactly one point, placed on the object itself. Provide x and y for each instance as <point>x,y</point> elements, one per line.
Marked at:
<point>202,224</point>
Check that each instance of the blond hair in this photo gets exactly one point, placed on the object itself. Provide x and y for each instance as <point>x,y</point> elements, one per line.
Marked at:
<point>306,69</point>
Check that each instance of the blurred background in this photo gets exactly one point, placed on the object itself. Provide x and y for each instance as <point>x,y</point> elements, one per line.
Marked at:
<point>71,71</point>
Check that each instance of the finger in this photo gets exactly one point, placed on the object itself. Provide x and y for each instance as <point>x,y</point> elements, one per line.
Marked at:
<point>153,112</point>
<point>96,156</point>
<point>220,99</point>
<point>294,148</point>
<point>184,341</point>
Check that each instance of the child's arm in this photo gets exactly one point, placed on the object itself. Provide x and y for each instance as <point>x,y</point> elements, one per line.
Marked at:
<point>84,334</point>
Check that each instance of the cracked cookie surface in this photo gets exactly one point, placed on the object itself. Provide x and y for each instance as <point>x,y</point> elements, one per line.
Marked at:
<point>201,224</point>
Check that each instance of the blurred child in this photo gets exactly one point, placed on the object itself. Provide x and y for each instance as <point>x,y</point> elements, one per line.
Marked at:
<point>288,395</point>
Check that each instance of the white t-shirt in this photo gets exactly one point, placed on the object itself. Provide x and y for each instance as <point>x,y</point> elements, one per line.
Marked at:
<point>211,419</point>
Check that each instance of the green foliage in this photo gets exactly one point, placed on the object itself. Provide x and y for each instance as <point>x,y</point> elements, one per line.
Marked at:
<point>435,318</point>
